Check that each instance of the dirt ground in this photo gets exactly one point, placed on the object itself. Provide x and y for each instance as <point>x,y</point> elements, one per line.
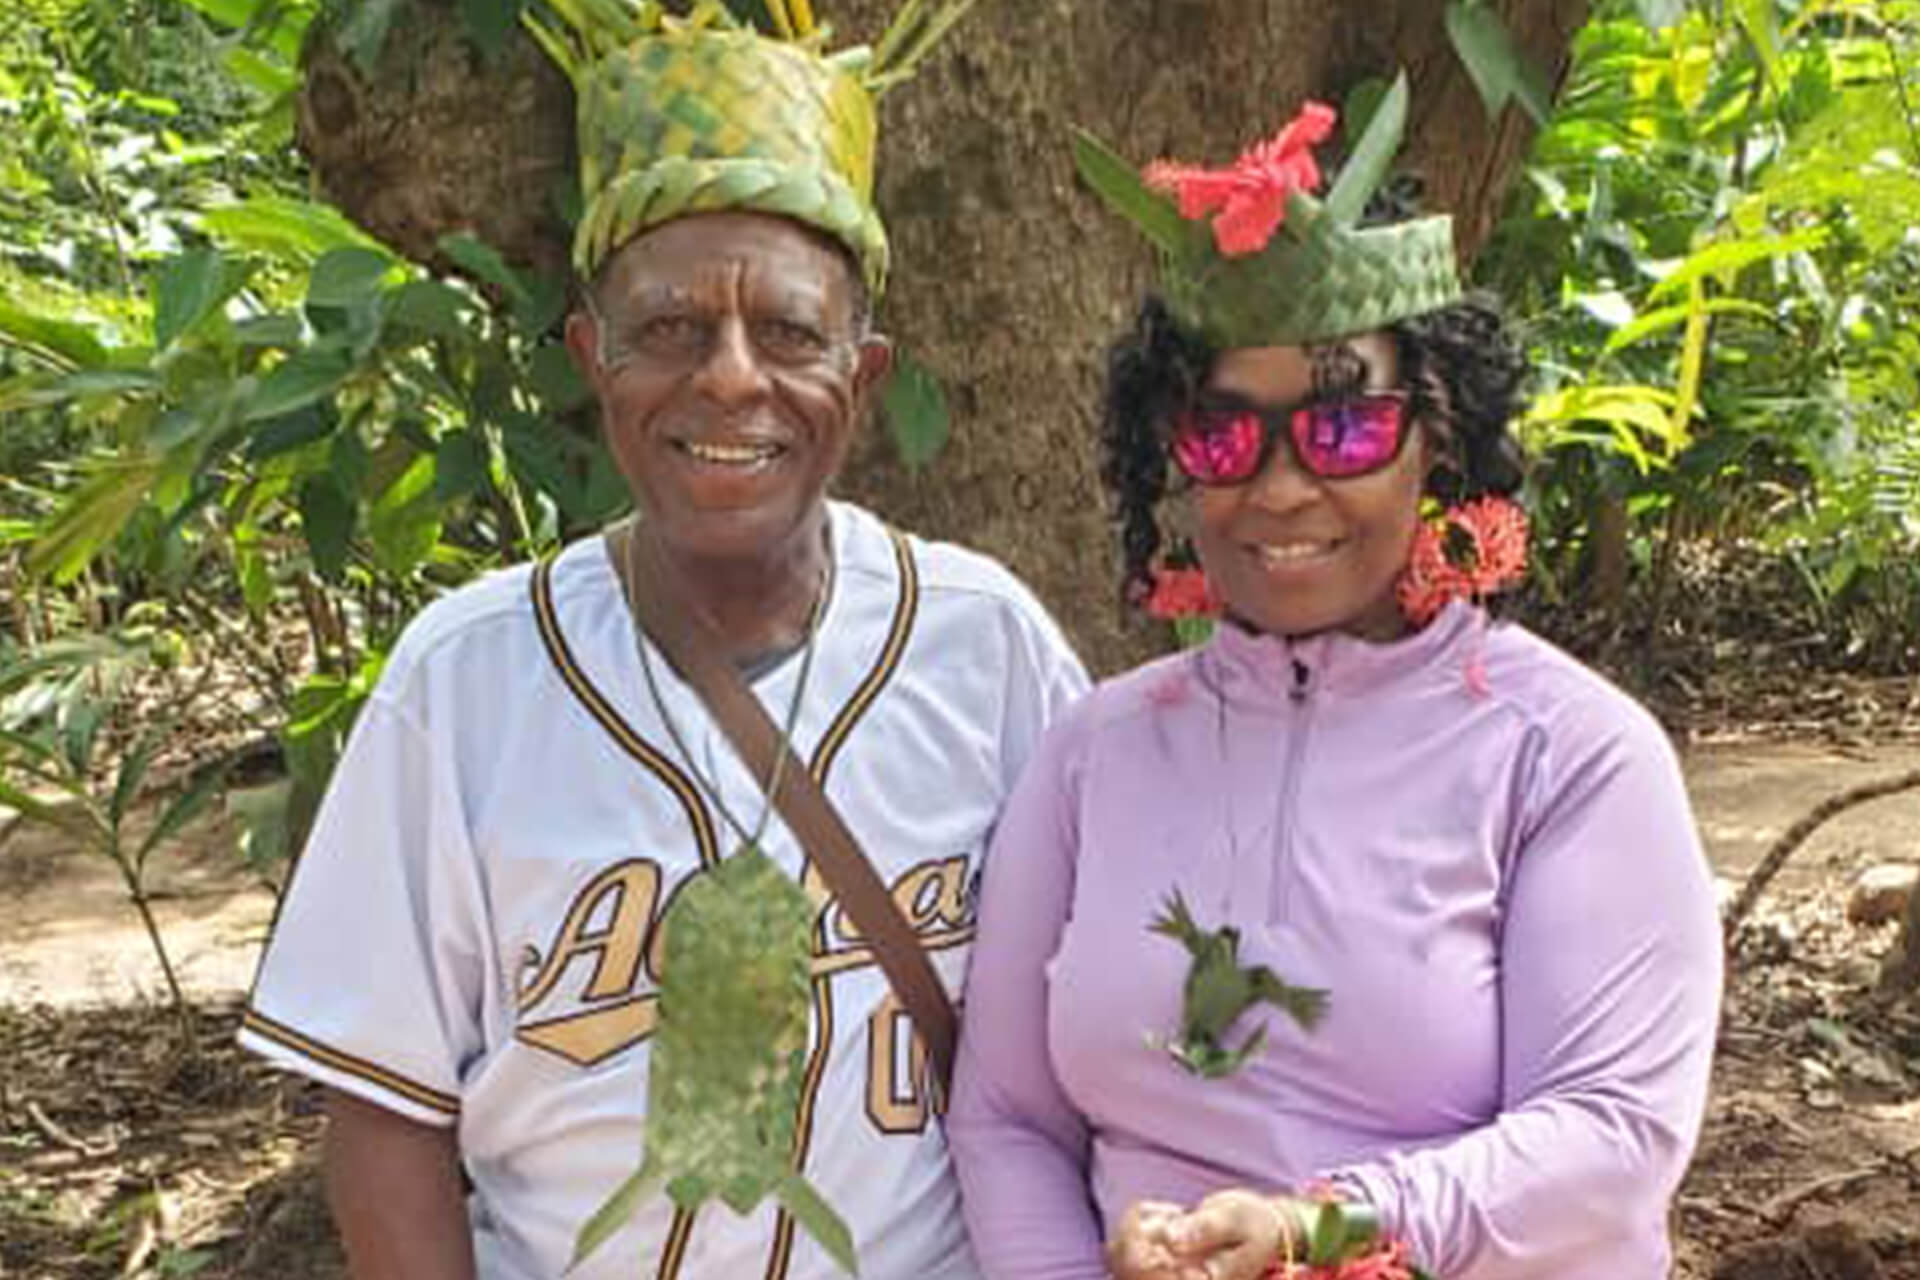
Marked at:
<point>129,1148</point>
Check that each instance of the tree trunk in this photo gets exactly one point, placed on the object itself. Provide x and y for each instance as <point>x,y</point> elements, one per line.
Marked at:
<point>1608,553</point>
<point>1010,279</point>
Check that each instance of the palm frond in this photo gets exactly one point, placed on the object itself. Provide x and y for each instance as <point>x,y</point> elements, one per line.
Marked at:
<point>916,29</point>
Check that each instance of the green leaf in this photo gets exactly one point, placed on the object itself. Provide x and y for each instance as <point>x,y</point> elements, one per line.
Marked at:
<point>297,382</point>
<point>327,516</point>
<point>364,33</point>
<point>1654,322</point>
<point>1192,631</point>
<point>1127,194</point>
<point>614,1214</point>
<point>544,306</point>
<point>288,229</point>
<point>1693,361</point>
<point>256,581</point>
<point>80,730</point>
<point>186,806</point>
<point>460,466</point>
<point>348,277</point>
<point>828,1229</point>
<point>431,307</point>
<point>268,331</point>
<point>189,288</point>
<point>1499,68</point>
<point>264,76</point>
<point>103,382</point>
<point>350,462</point>
<point>68,656</point>
<point>404,524</point>
<point>1762,24</point>
<point>76,820</point>
<point>293,431</point>
<point>1726,258</point>
<point>92,517</point>
<point>1356,112</point>
<point>1327,1237</point>
<point>555,379</point>
<point>282,23</point>
<point>916,410</point>
<point>536,459</point>
<point>63,342</point>
<point>127,779</point>
<point>490,22</point>
<point>1631,411</point>
<point>481,260</point>
<point>1367,167</point>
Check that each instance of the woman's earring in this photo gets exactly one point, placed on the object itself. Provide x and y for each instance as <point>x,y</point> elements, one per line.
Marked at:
<point>1182,595</point>
<point>1470,551</point>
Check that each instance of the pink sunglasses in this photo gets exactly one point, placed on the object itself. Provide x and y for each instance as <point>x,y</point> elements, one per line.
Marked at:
<point>1224,444</point>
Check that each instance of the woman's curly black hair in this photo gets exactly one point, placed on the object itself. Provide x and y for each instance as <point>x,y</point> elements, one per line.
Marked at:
<point>1461,365</point>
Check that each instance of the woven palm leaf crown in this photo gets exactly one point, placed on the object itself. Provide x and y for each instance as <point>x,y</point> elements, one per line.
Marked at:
<point>1280,267</point>
<point>702,113</point>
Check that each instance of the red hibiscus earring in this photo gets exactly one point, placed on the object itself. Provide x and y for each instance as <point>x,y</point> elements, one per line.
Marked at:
<point>1182,595</point>
<point>1469,552</point>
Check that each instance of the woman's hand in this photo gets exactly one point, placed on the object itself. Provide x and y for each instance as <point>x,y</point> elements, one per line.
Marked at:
<point>1231,1235</point>
<point>1140,1248</point>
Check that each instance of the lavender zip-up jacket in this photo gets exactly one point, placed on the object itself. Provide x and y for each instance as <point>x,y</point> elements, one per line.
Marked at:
<point>1481,849</point>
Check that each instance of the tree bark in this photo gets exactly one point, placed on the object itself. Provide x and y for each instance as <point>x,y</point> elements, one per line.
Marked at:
<point>1010,279</point>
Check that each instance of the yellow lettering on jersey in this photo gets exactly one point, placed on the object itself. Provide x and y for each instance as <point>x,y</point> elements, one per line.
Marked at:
<point>894,1104</point>
<point>587,1038</point>
<point>933,893</point>
<point>615,947</point>
<point>625,904</point>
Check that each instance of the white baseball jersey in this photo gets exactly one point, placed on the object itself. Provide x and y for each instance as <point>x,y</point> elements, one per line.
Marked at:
<point>470,937</point>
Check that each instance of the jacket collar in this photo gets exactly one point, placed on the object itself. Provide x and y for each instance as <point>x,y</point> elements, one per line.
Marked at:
<point>1257,667</point>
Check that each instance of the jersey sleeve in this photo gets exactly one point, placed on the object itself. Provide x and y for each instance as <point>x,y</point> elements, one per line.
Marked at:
<point>372,980</point>
<point>1045,679</point>
<point>1610,963</point>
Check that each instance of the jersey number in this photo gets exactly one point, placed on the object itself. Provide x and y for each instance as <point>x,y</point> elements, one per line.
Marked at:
<point>896,1071</point>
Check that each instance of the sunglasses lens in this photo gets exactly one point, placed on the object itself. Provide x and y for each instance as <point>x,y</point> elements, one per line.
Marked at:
<point>1214,447</point>
<point>1349,437</point>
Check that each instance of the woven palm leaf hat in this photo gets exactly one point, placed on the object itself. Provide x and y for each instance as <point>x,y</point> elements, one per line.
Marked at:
<point>1280,266</point>
<point>702,113</point>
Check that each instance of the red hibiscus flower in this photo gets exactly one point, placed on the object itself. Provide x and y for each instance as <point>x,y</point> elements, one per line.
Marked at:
<point>1473,551</point>
<point>1249,200</point>
<point>1388,1262</point>
<point>1181,593</point>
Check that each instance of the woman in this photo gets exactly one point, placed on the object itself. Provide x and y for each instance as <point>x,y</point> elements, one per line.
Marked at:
<point>1371,897</point>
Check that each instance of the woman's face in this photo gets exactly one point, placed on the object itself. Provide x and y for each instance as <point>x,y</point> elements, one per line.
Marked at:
<point>1291,553</point>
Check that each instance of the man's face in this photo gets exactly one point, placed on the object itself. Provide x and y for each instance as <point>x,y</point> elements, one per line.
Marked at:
<point>730,366</point>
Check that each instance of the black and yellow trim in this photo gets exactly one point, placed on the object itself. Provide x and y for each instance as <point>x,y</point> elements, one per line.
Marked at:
<point>677,1238</point>
<point>340,1060</point>
<point>698,819</point>
<point>906,608</point>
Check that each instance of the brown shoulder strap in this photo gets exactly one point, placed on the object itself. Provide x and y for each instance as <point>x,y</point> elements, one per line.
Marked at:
<point>694,651</point>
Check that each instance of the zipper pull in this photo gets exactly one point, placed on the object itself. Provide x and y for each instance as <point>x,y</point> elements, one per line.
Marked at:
<point>1302,677</point>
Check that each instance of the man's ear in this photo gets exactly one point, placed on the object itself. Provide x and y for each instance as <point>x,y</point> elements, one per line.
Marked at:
<point>872,365</point>
<point>583,344</point>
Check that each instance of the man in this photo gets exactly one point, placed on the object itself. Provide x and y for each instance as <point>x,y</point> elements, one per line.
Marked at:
<point>469,956</point>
